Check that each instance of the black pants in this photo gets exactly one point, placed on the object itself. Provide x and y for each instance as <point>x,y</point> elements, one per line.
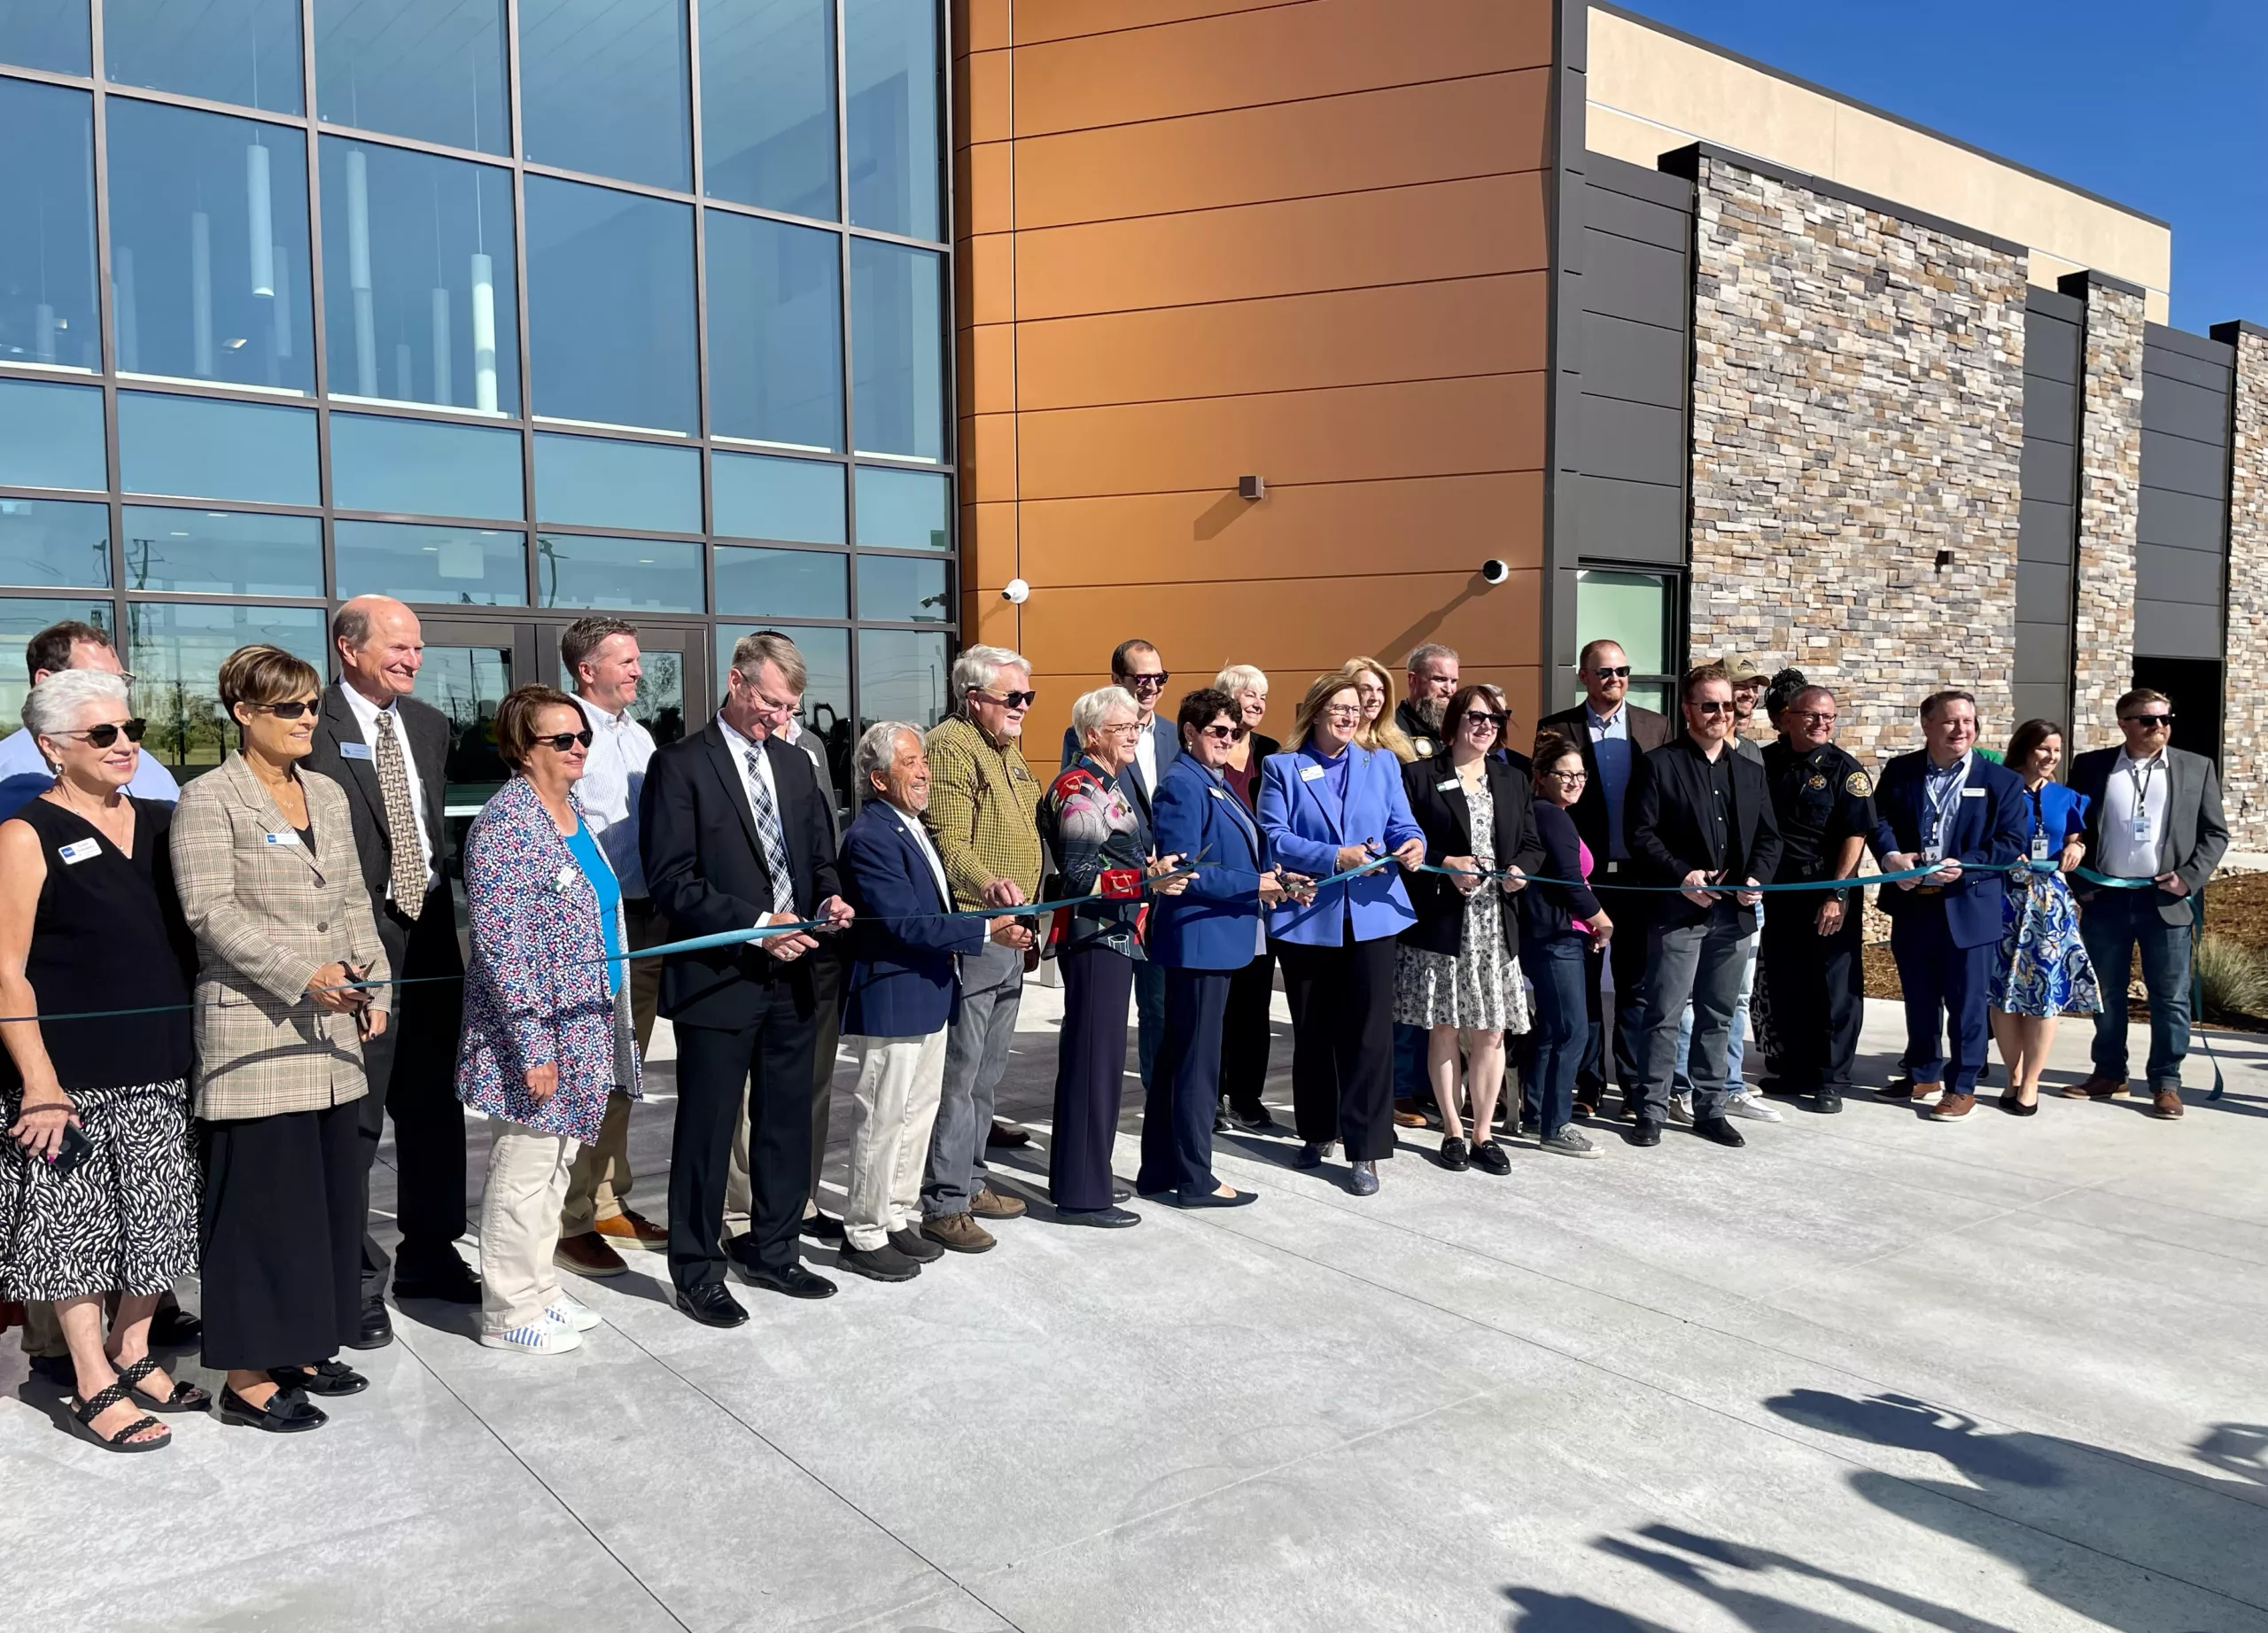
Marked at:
<point>1342,1043</point>
<point>412,1072</point>
<point>1818,985</point>
<point>1245,1035</point>
<point>1185,1087</point>
<point>770,1061</point>
<point>1089,1069</point>
<point>280,1228</point>
<point>1626,955</point>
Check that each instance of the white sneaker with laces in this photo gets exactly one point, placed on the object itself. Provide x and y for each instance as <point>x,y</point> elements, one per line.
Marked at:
<point>541,1336</point>
<point>1680,1110</point>
<point>1748,1103</point>
<point>569,1311</point>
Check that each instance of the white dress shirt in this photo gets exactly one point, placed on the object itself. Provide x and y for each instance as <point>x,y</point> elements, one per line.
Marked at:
<point>374,719</point>
<point>612,776</point>
<point>742,747</point>
<point>915,831</point>
<point>1145,756</point>
<point>2144,786</point>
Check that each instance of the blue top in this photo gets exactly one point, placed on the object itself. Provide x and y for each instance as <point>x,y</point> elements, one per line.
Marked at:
<point>1215,922</point>
<point>584,850</point>
<point>1309,806</point>
<point>1615,757</point>
<point>2059,812</point>
<point>24,775</point>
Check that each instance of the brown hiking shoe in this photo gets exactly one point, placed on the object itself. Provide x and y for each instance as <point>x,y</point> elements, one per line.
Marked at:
<point>1953,1107</point>
<point>2165,1101</point>
<point>991,1204</point>
<point>2096,1087</point>
<point>956,1232</point>
<point>589,1254</point>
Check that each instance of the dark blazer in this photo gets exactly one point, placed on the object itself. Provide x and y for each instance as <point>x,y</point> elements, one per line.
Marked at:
<point>1990,822</point>
<point>1437,801</point>
<point>902,980</point>
<point>2197,834</point>
<point>1214,924</point>
<point>1670,825</point>
<point>705,869</point>
<point>1163,733</point>
<point>1649,731</point>
<point>428,731</point>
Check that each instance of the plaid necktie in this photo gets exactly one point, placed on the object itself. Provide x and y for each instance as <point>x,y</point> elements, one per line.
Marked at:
<point>772,836</point>
<point>407,883</point>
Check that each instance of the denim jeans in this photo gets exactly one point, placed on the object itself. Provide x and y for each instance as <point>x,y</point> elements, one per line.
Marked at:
<point>1701,965</point>
<point>1410,1080</point>
<point>2112,925</point>
<point>1681,1081</point>
<point>1554,967</point>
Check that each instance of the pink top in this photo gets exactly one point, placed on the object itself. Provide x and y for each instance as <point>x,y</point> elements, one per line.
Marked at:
<point>1583,851</point>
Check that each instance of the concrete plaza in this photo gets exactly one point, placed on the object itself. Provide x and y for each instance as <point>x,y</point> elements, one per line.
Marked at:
<point>1871,1373</point>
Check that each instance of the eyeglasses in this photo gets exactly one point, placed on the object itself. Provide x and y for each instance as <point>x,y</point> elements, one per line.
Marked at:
<point>102,736</point>
<point>2149,722</point>
<point>1619,673</point>
<point>1221,733</point>
<point>1711,708</point>
<point>559,742</point>
<point>1577,775</point>
<point>1342,711</point>
<point>284,712</point>
<point>1481,717</point>
<point>1813,715</point>
<point>1120,728</point>
<point>1008,700</point>
<point>1148,683</point>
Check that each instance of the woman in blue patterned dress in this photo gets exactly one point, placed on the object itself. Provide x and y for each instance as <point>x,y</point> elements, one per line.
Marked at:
<point>2043,970</point>
<point>547,1021</point>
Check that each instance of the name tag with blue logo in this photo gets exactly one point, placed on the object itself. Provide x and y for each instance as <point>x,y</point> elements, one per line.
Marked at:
<point>1310,773</point>
<point>285,839</point>
<point>79,851</point>
<point>355,751</point>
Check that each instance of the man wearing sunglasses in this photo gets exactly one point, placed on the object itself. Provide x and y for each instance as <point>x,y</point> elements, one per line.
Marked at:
<point>24,775</point>
<point>2153,813</point>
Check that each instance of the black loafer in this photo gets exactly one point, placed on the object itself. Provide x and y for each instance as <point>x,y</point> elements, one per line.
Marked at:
<point>1827,1102</point>
<point>448,1284</point>
<point>1489,1158</point>
<point>288,1411</point>
<point>712,1305</point>
<point>1210,1199</point>
<point>324,1378</point>
<point>376,1330</point>
<point>1101,1218</point>
<point>1456,1157</point>
<point>1718,1130</point>
<point>1645,1131</point>
<point>792,1280</point>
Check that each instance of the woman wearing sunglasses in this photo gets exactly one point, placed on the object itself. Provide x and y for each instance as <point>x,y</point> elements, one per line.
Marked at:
<point>547,1013</point>
<point>270,883</point>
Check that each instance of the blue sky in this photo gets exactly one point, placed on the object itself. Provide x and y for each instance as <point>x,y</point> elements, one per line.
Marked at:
<point>2162,106</point>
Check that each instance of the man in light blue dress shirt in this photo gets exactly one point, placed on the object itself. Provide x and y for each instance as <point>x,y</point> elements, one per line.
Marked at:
<point>24,773</point>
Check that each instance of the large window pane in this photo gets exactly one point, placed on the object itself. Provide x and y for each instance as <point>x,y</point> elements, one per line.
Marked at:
<point>610,307</point>
<point>200,448</point>
<point>471,567</point>
<point>898,340</point>
<point>905,510</point>
<point>911,589</point>
<point>602,89</point>
<point>421,468</point>
<point>46,541</point>
<point>208,230</point>
<point>889,56</point>
<point>826,688</point>
<point>775,332</point>
<point>782,584</point>
<point>591,482</point>
<point>215,553</point>
<point>768,104</point>
<point>19,621</point>
<point>244,51</point>
<point>417,279</point>
<point>642,575</point>
<point>901,677</point>
<point>754,497</point>
<point>432,69</point>
<point>44,33</point>
<point>174,649</point>
<point>47,247</point>
<point>51,436</point>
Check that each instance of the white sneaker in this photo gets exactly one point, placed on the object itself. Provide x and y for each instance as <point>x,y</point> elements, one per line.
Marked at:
<point>569,1311</point>
<point>1748,1103</point>
<point>542,1336</point>
<point>1680,1110</point>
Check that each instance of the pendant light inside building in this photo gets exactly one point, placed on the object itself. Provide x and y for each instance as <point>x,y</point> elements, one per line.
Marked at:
<point>258,205</point>
<point>200,294</point>
<point>358,274</point>
<point>483,334</point>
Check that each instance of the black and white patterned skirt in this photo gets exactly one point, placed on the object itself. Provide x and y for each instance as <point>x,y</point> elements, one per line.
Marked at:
<point>124,1220</point>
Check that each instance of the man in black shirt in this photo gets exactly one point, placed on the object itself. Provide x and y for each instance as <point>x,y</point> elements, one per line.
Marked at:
<point>1700,815</point>
<point>1813,968</point>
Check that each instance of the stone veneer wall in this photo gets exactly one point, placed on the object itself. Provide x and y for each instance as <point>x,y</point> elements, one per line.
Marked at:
<point>1858,406</point>
<point>2109,504</point>
<point>2244,725</point>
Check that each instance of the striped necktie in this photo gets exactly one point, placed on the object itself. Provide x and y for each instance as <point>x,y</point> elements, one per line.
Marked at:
<point>771,836</point>
<point>407,883</point>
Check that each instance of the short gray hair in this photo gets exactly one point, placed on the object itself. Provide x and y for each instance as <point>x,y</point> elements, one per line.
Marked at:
<point>1088,712</point>
<point>877,749</point>
<point>1237,679</point>
<point>977,667</point>
<point>1425,653</point>
<point>750,653</point>
<point>53,705</point>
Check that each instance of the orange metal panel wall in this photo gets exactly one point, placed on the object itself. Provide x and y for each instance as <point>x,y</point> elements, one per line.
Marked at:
<point>1303,239</point>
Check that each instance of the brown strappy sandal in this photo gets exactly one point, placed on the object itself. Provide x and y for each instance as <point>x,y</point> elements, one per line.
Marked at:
<point>83,1414</point>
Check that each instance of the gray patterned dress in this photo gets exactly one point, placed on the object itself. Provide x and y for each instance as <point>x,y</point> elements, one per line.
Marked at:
<point>1480,988</point>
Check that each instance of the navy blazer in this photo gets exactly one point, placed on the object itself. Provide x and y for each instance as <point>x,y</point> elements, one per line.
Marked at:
<point>1166,738</point>
<point>1214,924</point>
<point>903,981</point>
<point>1304,826</point>
<point>1990,822</point>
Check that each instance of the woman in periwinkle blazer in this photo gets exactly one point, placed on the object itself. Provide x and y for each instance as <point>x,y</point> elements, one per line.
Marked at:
<point>1326,806</point>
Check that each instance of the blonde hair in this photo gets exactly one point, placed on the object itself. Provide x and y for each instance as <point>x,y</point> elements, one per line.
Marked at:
<point>1382,733</point>
<point>1321,690</point>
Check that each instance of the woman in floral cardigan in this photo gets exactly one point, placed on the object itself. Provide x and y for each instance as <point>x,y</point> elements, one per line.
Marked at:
<point>546,1018</point>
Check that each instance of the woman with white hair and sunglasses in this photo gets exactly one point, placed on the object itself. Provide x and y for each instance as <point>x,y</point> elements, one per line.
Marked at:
<point>1245,1035</point>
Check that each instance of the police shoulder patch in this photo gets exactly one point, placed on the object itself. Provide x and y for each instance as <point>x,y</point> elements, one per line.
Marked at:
<point>1857,786</point>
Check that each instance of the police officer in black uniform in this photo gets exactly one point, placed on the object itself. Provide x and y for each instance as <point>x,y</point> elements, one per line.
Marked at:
<point>1812,967</point>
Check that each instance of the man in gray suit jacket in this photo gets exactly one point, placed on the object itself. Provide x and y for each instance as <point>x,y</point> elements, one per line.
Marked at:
<point>2153,814</point>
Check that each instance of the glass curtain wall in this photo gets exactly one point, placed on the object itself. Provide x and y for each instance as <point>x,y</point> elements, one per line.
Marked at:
<point>302,299</point>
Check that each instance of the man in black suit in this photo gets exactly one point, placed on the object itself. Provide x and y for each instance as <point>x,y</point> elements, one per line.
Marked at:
<point>1614,735</point>
<point>734,834</point>
<point>391,754</point>
<point>1700,814</point>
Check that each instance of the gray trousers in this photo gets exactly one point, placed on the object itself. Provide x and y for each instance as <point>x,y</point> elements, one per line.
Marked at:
<point>976,1057</point>
<point>1704,964</point>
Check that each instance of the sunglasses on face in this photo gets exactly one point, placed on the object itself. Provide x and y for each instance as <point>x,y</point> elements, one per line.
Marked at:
<point>1711,708</point>
<point>1620,673</point>
<point>559,742</point>
<point>1484,719</point>
<point>1221,732</point>
<point>286,711</point>
<point>102,736</point>
<point>1010,700</point>
<point>2150,722</point>
<point>1148,683</point>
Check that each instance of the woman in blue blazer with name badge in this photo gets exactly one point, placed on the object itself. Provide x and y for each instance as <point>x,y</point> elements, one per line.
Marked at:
<point>1328,806</point>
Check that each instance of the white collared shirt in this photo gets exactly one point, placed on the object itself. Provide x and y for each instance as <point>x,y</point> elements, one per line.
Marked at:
<point>1145,756</point>
<point>2135,785</point>
<point>612,777</point>
<point>742,747</point>
<point>914,830</point>
<point>374,719</point>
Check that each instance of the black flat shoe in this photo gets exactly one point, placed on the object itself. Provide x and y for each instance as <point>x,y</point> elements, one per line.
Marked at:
<point>185,1397</point>
<point>1211,1199</point>
<point>1100,1218</point>
<point>712,1305</point>
<point>376,1330</point>
<point>1489,1158</point>
<point>792,1280</point>
<point>323,1377</point>
<point>2016,1108</point>
<point>1827,1102</point>
<point>1455,1155</point>
<point>1256,1121</point>
<point>1310,1155</point>
<point>1645,1131</point>
<point>288,1411</point>
<point>1718,1131</point>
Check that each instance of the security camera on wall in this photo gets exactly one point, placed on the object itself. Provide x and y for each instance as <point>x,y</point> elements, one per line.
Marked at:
<point>1494,572</point>
<point>1015,591</point>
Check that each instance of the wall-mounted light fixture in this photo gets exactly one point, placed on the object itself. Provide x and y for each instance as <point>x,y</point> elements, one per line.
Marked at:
<point>1252,487</point>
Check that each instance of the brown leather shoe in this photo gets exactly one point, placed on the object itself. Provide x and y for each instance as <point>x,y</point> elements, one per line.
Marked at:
<point>956,1232</point>
<point>1906,1089</point>
<point>1406,1115</point>
<point>2165,1102</point>
<point>1952,1107</point>
<point>587,1254</point>
<point>633,1231</point>
<point>991,1204</point>
<point>2096,1087</point>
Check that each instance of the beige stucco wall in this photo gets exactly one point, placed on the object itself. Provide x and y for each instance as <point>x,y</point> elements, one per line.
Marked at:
<point>1652,92</point>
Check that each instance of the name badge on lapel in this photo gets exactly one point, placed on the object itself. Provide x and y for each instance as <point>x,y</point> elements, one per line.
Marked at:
<point>355,751</point>
<point>79,851</point>
<point>1310,773</point>
<point>287,838</point>
<point>565,882</point>
<point>1446,785</point>
<point>1972,793</point>
<point>1218,793</point>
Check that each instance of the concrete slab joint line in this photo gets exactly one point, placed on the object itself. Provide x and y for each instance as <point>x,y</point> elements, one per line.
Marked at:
<point>2244,731</point>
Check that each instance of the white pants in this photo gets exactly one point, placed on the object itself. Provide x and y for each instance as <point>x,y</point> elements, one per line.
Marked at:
<point>519,1224</point>
<point>892,1106</point>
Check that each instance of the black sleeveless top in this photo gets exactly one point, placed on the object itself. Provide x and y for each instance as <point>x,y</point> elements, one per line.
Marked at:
<point>109,935</point>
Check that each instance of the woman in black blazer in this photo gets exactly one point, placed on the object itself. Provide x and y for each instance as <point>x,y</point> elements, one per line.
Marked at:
<point>1245,1024</point>
<point>1459,974</point>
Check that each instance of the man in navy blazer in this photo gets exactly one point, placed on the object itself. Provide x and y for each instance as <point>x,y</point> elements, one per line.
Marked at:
<point>900,993</point>
<point>1944,803</point>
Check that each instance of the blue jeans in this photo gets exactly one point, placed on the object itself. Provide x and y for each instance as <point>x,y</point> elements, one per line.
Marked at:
<point>1681,1081</point>
<point>1555,968</point>
<point>2112,925</point>
<point>1410,1080</point>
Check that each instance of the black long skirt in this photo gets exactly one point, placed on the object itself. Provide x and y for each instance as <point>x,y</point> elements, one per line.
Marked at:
<point>281,1227</point>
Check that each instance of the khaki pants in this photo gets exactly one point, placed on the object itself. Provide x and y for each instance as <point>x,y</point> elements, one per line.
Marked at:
<point>519,1224</point>
<point>601,1177</point>
<point>892,1107</point>
<point>42,1335</point>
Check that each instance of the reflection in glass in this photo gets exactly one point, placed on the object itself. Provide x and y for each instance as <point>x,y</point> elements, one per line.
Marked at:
<point>826,688</point>
<point>202,447</point>
<point>466,683</point>
<point>51,436</point>
<point>901,677</point>
<point>174,649</point>
<point>217,553</point>
<point>660,703</point>
<point>417,279</point>
<point>910,589</point>
<point>44,33</point>
<point>889,56</point>
<point>46,541</point>
<point>469,566</point>
<point>610,307</point>
<point>593,482</point>
<point>602,89</point>
<point>208,231</point>
<point>424,467</point>
<point>897,339</point>
<point>775,332</point>
<point>643,575</point>
<point>782,584</point>
<point>19,621</point>
<point>47,251</point>
<point>905,510</point>
<point>429,69</point>
<point>246,51</point>
<point>754,497</point>
<point>768,104</point>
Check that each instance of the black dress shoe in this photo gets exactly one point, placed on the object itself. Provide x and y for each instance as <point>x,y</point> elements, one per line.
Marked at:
<point>1310,1154</point>
<point>449,1283</point>
<point>712,1305</point>
<point>1645,1131</point>
<point>820,1227</point>
<point>288,1411</point>
<point>376,1330</point>
<point>1719,1130</point>
<point>1254,1120</point>
<point>175,1328</point>
<point>793,1279</point>
<point>1102,1219</point>
<point>1210,1199</point>
<point>1827,1102</point>
<point>324,1378</point>
<point>1005,1136</point>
